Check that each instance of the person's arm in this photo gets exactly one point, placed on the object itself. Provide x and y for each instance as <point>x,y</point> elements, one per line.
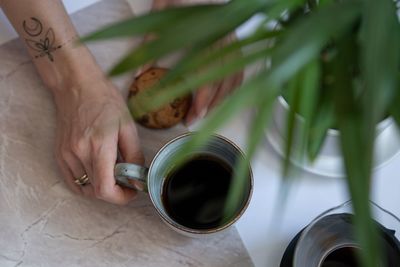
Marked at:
<point>47,31</point>
<point>92,117</point>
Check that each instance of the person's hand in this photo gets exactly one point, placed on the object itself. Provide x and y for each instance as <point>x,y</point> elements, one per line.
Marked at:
<point>208,96</point>
<point>93,119</point>
<point>93,123</point>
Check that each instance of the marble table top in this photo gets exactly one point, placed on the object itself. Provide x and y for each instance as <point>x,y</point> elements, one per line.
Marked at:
<point>41,222</point>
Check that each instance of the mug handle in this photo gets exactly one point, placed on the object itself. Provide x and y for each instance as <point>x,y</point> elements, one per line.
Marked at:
<point>131,175</point>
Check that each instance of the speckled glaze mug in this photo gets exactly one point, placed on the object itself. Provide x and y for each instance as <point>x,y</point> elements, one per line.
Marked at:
<point>153,179</point>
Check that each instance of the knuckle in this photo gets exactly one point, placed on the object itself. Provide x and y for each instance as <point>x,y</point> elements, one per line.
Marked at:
<point>101,191</point>
<point>64,153</point>
<point>95,142</point>
<point>78,147</point>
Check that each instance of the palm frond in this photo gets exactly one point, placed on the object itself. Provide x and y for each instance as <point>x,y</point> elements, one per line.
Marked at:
<point>353,88</point>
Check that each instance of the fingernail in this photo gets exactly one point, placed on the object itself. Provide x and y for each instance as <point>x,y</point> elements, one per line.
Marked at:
<point>188,122</point>
<point>189,118</point>
<point>202,113</point>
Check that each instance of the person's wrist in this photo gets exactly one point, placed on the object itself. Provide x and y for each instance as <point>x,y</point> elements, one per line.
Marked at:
<point>71,66</point>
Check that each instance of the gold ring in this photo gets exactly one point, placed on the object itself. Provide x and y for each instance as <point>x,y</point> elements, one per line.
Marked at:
<point>83,180</point>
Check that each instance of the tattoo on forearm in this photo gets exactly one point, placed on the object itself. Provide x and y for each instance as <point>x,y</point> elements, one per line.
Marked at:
<point>35,30</point>
<point>42,41</point>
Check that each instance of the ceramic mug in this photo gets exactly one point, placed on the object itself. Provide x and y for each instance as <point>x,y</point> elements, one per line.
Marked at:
<point>152,179</point>
<point>329,240</point>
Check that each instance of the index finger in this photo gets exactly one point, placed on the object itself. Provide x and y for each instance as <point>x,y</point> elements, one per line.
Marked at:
<point>105,186</point>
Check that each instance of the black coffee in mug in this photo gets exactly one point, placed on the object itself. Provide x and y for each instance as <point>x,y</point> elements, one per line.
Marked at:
<point>195,193</point>
<point>342,257</point>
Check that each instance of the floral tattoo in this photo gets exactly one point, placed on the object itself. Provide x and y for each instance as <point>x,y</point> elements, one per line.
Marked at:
<point>43,43</point>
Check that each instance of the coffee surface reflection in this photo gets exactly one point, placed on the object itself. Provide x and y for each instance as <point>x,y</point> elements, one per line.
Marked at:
<point>194,194</point>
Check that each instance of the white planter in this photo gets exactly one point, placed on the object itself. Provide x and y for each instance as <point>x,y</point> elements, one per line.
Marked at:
<point>329,161</point>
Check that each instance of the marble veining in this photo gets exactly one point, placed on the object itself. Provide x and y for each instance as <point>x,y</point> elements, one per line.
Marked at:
<point>41,222</point>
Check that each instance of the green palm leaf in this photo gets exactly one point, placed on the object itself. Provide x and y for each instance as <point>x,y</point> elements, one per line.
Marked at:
<point>379,32</point>
<point>295,55</point>
<point>255,135</point>
<point>154,22</point>
<point>180,35</point>
<point>354,149</point>
<point>156,97</point>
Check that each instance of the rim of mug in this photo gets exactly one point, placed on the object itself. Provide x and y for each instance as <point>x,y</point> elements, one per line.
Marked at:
<point>347,203</point>
<point>336,248</point>
<point>306,230</point>
<point>383,124</point>
<point>168,220</point>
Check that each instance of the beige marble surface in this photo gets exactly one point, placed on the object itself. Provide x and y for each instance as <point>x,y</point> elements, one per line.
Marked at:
<point>41,222</point>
